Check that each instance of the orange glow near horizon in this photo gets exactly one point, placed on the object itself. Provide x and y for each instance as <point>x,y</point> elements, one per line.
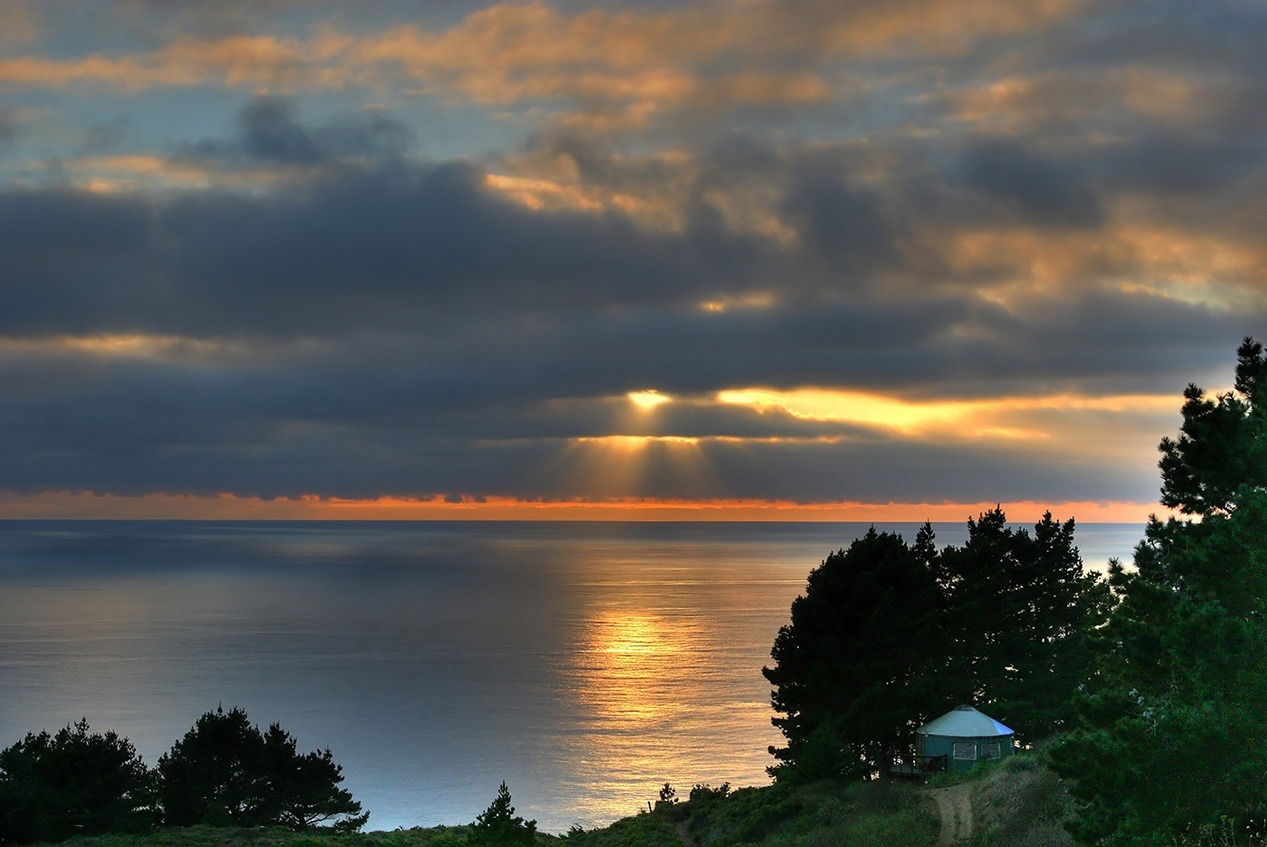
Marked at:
<point>60,505</point>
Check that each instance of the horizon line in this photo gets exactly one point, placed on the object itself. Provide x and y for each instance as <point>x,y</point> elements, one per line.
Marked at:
<point>66,505</point>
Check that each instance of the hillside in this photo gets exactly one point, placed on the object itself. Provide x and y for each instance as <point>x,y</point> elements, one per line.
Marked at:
<point>1018,804</point>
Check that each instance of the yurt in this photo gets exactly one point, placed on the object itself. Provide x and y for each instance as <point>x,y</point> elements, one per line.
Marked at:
<point>964,736</point>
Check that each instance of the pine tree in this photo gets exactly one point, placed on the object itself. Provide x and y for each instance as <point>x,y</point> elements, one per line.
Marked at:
<point>498,826</point>
<point>73,782</point>
<point>304,789</point>
<point>853,670</point>
<point>1170,739</point>
<point>1019,610</point>
<point>226,772</point>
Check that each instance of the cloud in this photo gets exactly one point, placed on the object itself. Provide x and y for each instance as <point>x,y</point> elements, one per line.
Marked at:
<point>11,120</point>
<point>407,331</point>
<point>997,223</point>
<point>1031,189</point>
<point>272,134</point>
<point>608,68</point>
<point>19,23</point>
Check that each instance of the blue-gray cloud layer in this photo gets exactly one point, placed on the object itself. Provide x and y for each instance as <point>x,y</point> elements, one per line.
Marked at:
<point>367,320</point>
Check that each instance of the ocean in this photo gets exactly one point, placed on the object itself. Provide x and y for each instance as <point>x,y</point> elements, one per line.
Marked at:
<point>586,664</point>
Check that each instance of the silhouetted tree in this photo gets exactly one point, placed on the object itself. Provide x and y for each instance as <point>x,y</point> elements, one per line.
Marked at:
<point>75,782</point>
<point>498,826</point>
<point>1021,611</point>
<point>225,772</point>
<point>888,635</point>
<point>215,773</point>
<point>1170,737</point>
<point>303,790</point>
<point>853,670</point>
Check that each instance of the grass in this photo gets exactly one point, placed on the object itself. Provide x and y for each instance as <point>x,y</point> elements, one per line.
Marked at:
<point>1018,803</point>
<point>825,814</point>
<point>210,836</point>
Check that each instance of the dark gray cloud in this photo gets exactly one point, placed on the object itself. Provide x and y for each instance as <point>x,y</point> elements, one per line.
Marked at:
<point>844,225</point>
<point>271,133</point>
<point>1031,189</point>
<point>363,322</point>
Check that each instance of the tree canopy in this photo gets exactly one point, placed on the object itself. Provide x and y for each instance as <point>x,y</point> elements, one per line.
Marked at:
<point>851,671</point>
<point>888,635</point>
<point>1019,610</point>
<point>499,826</point>
<point>73,782</point>
<point>1170,734</point>
<point>226,772</point>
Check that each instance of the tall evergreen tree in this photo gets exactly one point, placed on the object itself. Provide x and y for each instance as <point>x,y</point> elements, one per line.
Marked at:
<point>1020,608</point>
<point>225,772</point>
<point>73,782</point>
<point>888,635</point>
<point>1170,738</point>
<point>214,774</point>
<point>499,826</point>
<point>303,789</point>
<point>853,670</point>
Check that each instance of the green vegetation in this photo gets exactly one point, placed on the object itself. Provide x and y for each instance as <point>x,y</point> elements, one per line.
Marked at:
<point>852,669</point>
<point>211,836</point>
<point>75,781</point>
<point>827,812</point>
<point>498,826</point>
<point>887,635</point>
<point>1157,678</point>
<point>1021,803</point>
<point>224,772</point>
<point>1169,745</point>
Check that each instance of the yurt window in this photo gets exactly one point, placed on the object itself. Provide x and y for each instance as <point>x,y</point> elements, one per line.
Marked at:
<point>966,751</point>
<point>993,750</point>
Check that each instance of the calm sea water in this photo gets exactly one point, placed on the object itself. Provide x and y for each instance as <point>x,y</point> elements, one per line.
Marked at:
<point>585,664</point>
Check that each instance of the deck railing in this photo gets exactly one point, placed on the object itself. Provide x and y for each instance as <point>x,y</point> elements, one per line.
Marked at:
<point>911,764</point>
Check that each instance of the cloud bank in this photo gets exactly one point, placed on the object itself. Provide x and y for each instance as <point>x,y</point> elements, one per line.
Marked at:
<point>881,253</point>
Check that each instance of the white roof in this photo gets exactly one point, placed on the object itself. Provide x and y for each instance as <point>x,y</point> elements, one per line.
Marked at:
<point>965,722</point>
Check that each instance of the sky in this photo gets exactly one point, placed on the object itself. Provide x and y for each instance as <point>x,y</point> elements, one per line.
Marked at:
<point>768,259</point>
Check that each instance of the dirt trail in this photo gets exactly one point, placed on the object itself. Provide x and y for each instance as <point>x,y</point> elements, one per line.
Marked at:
<point>954,804</point>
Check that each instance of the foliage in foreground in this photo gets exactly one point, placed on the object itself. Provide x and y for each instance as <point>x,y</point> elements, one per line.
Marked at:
<point>224,772</point>
<point>876,814</point>
<point>1170,747</point>
<point>888,635</point>
<point>499,826</point>
<point>211,836</point>
<point>73,782</point>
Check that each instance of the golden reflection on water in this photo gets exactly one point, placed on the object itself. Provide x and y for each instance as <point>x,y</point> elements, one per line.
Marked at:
<point>638,668</point>
<point>651,706</point>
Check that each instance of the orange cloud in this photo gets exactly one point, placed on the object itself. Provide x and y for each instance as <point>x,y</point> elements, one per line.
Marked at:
<point>18,22</point>
<point>262,63</point>
<point>619,67</point>
<point>138,347</point>
<point>1018,104</point>
<point>941,27</point>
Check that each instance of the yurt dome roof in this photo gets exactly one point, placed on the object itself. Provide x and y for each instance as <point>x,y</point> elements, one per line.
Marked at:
<point>965,722</point>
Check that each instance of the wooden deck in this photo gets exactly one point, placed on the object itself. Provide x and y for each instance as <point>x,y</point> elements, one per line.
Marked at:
<point>910,766</point>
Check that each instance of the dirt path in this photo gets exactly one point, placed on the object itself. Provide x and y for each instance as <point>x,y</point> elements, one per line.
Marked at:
<point>954,804</point>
